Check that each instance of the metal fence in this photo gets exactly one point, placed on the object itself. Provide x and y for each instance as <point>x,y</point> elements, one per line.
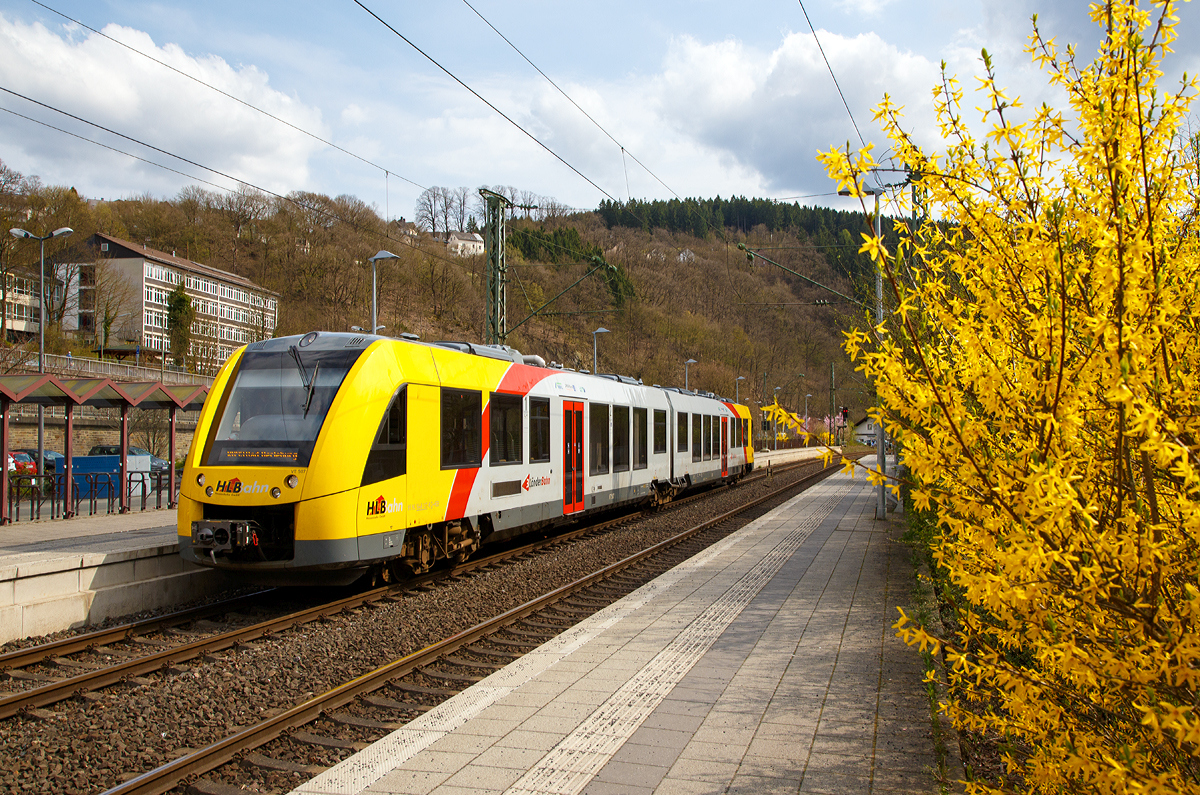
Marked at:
<point>72,367</point>
<point>32,497</point>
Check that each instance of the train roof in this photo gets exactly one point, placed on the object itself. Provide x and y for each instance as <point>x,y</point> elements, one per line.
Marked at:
<point>328,340</point>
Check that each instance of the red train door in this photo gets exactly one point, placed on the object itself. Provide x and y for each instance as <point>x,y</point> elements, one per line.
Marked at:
<point>572,456</point>
<point>724,447</point>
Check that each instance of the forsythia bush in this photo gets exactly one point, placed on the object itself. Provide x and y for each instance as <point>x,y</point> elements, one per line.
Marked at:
<point>1041,372</point>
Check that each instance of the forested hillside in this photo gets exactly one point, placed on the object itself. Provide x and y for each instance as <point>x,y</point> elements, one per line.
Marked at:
<point>671,295</point>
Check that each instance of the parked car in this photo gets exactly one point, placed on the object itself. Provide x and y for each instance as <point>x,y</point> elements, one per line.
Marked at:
<point>51,459</point>
<point>156,464</point>
<point>21,463</point>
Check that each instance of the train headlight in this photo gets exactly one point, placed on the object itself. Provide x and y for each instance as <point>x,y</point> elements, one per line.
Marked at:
<point>275,492</point>
<point>200,479</point>
<point>209,491</point>
<point>291,481</point>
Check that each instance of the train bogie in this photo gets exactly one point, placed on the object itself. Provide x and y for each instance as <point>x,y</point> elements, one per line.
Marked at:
<point>323,456</point>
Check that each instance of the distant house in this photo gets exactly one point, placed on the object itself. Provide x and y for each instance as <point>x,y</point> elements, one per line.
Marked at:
<point>464,244</point>
<point>864,431</point>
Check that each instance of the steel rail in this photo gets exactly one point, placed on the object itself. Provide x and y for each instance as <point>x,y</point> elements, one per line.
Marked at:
<point>54,692</point>
<point>163,779</point>
<point>35,654</point>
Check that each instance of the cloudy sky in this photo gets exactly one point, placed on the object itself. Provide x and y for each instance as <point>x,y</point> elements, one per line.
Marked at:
<point>713,97</point>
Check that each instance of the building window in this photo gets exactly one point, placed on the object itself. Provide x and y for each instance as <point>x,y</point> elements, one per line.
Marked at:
<point>620,438</point>
<point>681,432</point>
<point>640,439</point>
<point>462,431</point>
<point>539,430</point>
<point>598,436</point>
<point>388,457</point>
<point>505,425</point>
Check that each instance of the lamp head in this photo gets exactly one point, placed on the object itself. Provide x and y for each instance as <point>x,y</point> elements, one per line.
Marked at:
<point>19,232</point>
<point>384,255</point>
<point>600,330</point>
<point>690,361</point>
<point>62,231</point>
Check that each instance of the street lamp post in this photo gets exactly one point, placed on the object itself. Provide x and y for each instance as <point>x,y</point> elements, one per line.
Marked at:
<point>685,372</point>
<point>881,457</point>
<point>806,397</point>
<point>374,307</point>
<point>737,389</point>
<point>60,232</point>
<point>777,419</point>
<point>595,358</point>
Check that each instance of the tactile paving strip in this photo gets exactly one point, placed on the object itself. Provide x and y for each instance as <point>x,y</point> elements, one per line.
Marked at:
<point>571,764</point>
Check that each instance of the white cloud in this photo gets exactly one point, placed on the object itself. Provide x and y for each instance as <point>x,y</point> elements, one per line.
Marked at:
<point>771,112</point>
<point>97,80</point>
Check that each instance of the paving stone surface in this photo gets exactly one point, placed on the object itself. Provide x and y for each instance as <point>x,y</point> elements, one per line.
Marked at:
<point>765,664</point>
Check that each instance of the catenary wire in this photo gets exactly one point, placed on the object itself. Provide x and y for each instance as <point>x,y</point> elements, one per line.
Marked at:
<point>113,149</point>
<point>831,74</point>
<point>226,94</point>
<point>558,88</point>
<point>480,97</point>
<point>311,208</point>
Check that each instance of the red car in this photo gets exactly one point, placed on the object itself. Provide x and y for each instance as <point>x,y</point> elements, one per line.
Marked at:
<point>21,464</point>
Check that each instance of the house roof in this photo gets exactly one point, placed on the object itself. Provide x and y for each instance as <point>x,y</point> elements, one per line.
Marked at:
<point>162,257</point>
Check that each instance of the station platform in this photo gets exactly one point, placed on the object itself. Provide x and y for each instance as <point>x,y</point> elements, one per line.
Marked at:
<point>766,663</point>
<point>65,573</point>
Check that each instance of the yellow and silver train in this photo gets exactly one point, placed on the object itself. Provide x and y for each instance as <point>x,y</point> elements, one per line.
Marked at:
<point>320,458</point>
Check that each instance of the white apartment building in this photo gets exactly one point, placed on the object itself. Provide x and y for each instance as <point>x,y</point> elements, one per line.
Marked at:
<point>230,310</point>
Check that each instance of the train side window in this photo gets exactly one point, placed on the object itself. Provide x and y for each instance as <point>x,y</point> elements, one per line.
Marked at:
<point>505,425</point>
<point>598,438</point>
<point>462,428</point>
<point>660,431</point>
<point>620,438</point>
<point>388,457</point>
<point>697,438</point>
<point>681,428</point>
<point>640,438</point>
<point>708,437</point>
<point>716,437</point>
<point>745,432</point>
<point>539,430</point>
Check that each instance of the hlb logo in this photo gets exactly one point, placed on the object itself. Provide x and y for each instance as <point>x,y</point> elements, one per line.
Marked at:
<point>231,486</point>
<point>236,486</point>
<point>380,506</point>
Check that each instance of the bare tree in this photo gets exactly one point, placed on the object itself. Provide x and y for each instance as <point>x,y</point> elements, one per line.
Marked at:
<point>107,295</point>
<point>457,201</point>
<point>242,209</point>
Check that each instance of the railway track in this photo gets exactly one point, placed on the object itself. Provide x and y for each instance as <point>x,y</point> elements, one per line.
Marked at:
<point>417,681</point>
<point>156,643</point>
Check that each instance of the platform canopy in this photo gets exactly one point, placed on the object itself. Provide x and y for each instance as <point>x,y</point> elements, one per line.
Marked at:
<point>49,390</point>
<point>45,389</point>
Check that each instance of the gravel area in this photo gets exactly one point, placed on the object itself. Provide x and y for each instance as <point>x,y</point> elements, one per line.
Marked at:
<point>93,742</point>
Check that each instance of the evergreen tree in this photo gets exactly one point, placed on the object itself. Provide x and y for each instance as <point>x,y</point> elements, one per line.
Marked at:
<point>180,314</point>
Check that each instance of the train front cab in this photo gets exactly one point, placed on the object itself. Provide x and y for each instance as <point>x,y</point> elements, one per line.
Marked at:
<point>283,448</point>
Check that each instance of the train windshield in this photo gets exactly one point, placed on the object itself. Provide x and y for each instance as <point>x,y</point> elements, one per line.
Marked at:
<point>276,406</point>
